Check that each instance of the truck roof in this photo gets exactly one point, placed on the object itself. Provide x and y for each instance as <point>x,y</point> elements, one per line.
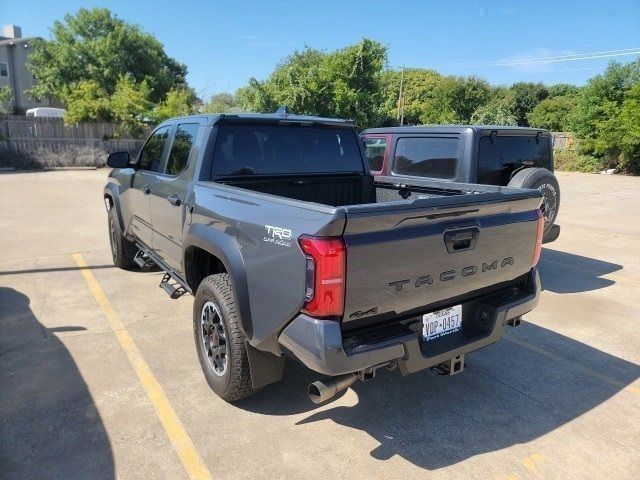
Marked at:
<point>453,129</point>
<point>280,116</point>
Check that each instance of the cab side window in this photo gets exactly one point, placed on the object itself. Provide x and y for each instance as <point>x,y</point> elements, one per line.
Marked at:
<point>181,148</point>
<point>151,154</point>
<point>374,149</point>
<point>433,157</point>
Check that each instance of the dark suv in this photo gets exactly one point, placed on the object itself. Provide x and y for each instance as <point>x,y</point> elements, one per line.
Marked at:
<point>491,155</point>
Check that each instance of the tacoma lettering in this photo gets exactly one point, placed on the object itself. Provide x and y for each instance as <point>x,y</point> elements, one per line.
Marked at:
<point>449,275</point>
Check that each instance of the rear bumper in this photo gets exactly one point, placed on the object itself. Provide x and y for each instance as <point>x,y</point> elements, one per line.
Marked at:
<point>322,346</point>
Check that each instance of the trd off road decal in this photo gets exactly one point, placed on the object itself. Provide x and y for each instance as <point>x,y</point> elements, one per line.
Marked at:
<point>278,235</point>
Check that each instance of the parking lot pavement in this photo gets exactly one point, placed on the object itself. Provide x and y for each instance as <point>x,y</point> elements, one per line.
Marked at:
<point>559,397</point>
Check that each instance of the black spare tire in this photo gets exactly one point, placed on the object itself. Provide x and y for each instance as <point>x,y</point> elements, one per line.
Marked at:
<point>545,181</point>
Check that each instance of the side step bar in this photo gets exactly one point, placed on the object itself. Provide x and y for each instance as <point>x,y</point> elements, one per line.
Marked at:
<point>171,282</point>
<point>175,290</point>
<point>143,261</point>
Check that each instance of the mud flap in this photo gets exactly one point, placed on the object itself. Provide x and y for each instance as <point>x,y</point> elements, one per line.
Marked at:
<point>265,367</point>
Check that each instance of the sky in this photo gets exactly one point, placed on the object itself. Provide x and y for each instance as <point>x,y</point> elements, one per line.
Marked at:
<point>224,43</point>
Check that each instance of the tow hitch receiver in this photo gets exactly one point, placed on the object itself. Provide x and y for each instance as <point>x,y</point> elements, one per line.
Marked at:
<point>450,367</point>
<point>514,322</point>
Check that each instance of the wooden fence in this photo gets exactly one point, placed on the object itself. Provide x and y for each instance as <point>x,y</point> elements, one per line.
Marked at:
<point>564,141</point>
<point>32,136</point>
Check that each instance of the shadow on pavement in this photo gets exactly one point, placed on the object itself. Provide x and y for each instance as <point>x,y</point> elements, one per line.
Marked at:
<point>54,269</point>
<point>50,425</point>
<point>498,401</point>
<point>563,272</point>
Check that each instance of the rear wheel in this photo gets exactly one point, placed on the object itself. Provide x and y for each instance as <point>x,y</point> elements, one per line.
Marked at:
<point>122,250</point>
<point>220,341</point>
<point>545,181</point>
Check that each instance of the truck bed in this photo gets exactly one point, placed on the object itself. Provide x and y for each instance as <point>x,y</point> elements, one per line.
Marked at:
<point>412,246</point>
<point>350,190</point>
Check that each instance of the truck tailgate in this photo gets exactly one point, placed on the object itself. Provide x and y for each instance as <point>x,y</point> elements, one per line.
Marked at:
<point>403,258</point>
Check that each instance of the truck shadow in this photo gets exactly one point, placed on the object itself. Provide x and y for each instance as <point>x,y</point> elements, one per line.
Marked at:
<point>498,401</point>
<point>50,425</point>
<point>563,272</point>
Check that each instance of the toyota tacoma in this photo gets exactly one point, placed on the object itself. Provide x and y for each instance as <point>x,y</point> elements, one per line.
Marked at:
<point>291,248</point>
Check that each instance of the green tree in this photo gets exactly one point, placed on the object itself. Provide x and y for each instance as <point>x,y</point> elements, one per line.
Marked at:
<point>602,96</point>
<point>6,101</point>
<point>494,113</point>
<point>130,104</point>
<point>499,109</point>
<point>431,98</point>
<point>619,135</point>
<point>553,113</point>
<point>87,102</point>
<point>605,111</point>
<point>96,46</point>
<point>526,96</point>
<point>467,95</point>
<point>223,102</point>
<point>630,125</point>
<point>418,90</point>
<point>179,102</point>
<point>562,90</point>
<point>342,83</point>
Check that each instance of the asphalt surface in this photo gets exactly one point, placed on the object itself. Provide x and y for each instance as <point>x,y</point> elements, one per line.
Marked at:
<point>99,377</point>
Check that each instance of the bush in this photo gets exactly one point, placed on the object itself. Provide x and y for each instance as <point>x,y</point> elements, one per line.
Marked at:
<point>72,156</point>
<point>68,157</point>
<point>572,161</point>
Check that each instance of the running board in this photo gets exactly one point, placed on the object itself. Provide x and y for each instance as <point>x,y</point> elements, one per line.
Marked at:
<point>175,290</point>
<point>171,282</point>
<point>144,262</point>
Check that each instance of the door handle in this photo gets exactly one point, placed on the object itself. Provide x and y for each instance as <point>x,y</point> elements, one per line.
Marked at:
<point>174,200</point>
<point>145,189</point>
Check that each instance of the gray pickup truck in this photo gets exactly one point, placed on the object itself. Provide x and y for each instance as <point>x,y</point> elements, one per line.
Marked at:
<point>292,248</point>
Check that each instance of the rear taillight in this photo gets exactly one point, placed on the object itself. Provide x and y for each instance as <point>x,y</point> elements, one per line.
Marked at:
<point>325,263</point>
<point>539,233</point>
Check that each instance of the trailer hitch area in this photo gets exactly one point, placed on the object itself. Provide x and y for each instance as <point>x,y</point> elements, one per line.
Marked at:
<point>452,366</point>
<point>514,322</point>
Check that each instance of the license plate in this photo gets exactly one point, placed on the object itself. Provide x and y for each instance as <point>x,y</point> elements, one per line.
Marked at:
<point>441,323</point>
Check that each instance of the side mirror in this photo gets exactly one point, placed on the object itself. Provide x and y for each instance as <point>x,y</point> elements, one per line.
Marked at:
<point>119,160</point>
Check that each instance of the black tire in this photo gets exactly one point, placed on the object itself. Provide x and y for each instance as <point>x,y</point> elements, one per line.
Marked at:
<point>122,250</point>
<point>216,329</point>
<point>545,181</point>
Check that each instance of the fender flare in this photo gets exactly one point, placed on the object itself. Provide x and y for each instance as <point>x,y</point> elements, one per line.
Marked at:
<point>224,247</point>
<point>112,192</point>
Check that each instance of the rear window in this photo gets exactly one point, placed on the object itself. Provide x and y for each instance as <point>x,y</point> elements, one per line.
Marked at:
<point>374,148</point>
<point>273,150</point>
<point>426,157</point>
<point>501,155</point>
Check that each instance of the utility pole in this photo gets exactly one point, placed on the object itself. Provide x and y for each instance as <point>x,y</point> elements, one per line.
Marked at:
<point>401,98</point>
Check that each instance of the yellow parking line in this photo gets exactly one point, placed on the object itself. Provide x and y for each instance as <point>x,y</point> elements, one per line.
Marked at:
<point>182,443</point>
<point>588,371</point>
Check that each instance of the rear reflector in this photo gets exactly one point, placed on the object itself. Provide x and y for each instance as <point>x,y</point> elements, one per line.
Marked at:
<point>325,265</point>
<point>539,234</point>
